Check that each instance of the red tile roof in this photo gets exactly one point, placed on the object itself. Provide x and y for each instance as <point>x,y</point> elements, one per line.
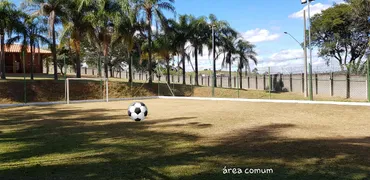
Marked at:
<point>16,48</point>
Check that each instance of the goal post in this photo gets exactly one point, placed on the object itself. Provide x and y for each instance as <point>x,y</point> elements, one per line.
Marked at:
<point>67,87</point>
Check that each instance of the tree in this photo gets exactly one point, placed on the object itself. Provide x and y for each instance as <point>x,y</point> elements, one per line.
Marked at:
<point>9,21</point>
<point>223,34</point>
<point>32,34</point>
<point>164,47</point>
<point>75,26</point>
<point>245,52</point>
<point>54,9</point>
<point>101,18</point>
<point>127,25</point>
<point>338,36</point>
<point>150,8</point>
<point>198,37</point>
<point>181,30</point>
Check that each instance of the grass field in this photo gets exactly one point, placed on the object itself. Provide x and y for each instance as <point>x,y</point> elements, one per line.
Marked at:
<point>185,139</point>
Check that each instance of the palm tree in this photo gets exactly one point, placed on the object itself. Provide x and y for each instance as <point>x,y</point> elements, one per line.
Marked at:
<point>199,36</point>
<point>31,35</point>
<point>245,52</point>
<point>9,21</point>
<point>150,8</point>
<point>224,37</point>
<point>228,49</point>
<point>164,48</point>
<point>181,31</point>
<point>101,17</point>
<point>75,26</point>
<point>127,25</point>
<point>54,9</point>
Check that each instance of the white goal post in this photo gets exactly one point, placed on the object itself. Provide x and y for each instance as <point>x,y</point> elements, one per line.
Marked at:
<point>86,79</point>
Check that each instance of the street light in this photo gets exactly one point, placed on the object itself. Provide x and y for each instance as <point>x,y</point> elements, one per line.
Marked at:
<point>303,46</point>
<point>309,45</point>
<point>294,39</point>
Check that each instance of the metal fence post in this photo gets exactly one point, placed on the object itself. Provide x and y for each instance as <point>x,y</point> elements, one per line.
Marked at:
<point>317,84</point>
<point>256,81</point>
<point>303,81</point>
<point>348,84</point>
<point>291,82</point>
<point>208,80</point>
<point>248,79</point>
<point>331,84</point>
<point>221,80</point>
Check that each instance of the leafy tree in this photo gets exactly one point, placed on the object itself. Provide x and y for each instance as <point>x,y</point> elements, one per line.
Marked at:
<point>245,52</point>
<point>127,25</point>
<point>54,9</point>
<point>181,30</point>
<point>339,37</point>
<point>199,36</point>
<point>31,35</point>
<point>75,27</point>
<point>149,9</point>
<point>101,17</point>
<point>9,21</point>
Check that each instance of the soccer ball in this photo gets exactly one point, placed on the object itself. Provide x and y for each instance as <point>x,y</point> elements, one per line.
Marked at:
<point>137,111</point>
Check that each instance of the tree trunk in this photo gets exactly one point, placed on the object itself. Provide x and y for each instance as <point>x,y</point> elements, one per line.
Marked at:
<point>130,67</point>
<point>47,66</point>
<point>196,65</point>
<point>78,60</point>
<point>111,71</point>
<point>54,51</point>
<point>168,71</point>
<point>230,74</point>
<point>183,67</point>
<point>240,78</point>
<point>150,52</point>
<point>106,66</point>
<point>32,58</point>
<point>2,58</point>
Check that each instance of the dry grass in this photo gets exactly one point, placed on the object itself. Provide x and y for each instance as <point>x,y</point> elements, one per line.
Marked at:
<point>185,139</point>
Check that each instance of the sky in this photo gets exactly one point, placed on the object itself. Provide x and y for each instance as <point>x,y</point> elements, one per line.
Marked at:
<point>261,22</point>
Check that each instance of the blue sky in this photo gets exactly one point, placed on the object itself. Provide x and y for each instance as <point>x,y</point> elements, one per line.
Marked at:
<point>262,22</point>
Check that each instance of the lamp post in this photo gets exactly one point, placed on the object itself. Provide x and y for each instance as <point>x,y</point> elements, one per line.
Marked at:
<point>304,47</point>
<point>309,46</point>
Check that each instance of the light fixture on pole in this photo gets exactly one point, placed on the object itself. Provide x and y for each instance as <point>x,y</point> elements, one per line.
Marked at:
<point>309,46</point>
<point>303,46</point>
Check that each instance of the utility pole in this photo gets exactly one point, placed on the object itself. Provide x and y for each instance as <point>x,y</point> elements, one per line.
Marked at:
<point>305,54</point>
<point>214,61</point>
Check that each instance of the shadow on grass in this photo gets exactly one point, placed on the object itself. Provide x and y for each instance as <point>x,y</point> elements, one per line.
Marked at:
<point>111,149</point>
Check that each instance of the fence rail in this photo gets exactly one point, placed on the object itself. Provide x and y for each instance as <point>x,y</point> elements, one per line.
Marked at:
<point>324,84</point>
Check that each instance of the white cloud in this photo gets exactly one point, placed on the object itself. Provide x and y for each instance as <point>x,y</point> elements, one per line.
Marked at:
<point>315,9</point>
<point>259,35</point>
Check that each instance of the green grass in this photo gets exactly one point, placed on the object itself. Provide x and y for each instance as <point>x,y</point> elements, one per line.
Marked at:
<point>96,141</point>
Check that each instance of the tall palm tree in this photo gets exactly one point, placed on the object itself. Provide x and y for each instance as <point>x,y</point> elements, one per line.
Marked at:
<point>75,26</point>
<point>101,17</point>
<point>150,8</point>
<point>199,36</point>
<point>245,52</point>
<point>54,9</point>
<point>163,46</point>
<point>32,35</point>
<point>228,49</point>
<point>127,25</point>
<point>9,21</point>
<point>181,31</point>
<point>224,37</point>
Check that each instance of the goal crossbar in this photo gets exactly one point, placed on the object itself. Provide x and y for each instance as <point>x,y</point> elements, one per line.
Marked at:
<point>86,79</point>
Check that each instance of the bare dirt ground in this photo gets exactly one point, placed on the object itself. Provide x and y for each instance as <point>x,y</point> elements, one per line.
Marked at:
<point>187,139</point>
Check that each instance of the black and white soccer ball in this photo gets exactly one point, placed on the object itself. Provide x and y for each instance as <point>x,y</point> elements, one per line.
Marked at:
<point>137,111</point>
